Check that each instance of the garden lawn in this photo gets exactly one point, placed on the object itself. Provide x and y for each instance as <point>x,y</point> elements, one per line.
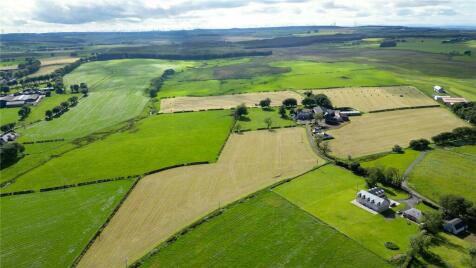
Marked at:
<point>156,142</point>
<point>292,75</point>
<point>50,229</point>
<point>256,116</point>
<point>446,172</point>
<point>117,93</point>
<point>394,160</point>
<point>327,194</point>
<point>265,231</point>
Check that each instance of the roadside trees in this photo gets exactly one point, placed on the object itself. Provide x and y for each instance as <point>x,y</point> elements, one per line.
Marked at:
<point>265,104</point>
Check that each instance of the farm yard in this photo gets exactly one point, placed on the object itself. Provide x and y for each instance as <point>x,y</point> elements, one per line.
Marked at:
<point>220,241</point>
<point>379,132</point>
<point>444,172</point>
<point>178,104</point>
<point>50,229</point>
<point>367,99</point>
<point>156,142</point>
<point>164,203</point>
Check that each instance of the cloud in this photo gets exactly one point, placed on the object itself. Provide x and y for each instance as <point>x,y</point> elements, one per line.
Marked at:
<point>334,5</point>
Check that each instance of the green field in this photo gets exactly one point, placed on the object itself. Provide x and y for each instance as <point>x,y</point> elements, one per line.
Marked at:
<point>446,172</point>
<point>256,116</point>
<point>327,194</point>
<point>217,80</point>
<point>156,142</point>
<point>398,161</point>
<point>265,231</point>
<point>50,229</point>
<point>117,93</point>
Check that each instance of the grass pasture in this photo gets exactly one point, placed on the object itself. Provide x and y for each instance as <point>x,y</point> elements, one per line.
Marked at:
<point>169,105</point>
<point>117,93</point>
<point>165,202</point>
<point>379,132</point>
<point>50,229</point>
<point>394,160</point>
<point>156,142</point>
<point>256,116</point>
<point>327,194</point>
<point>277,234</point>
<point>203,80</point>
<point>368,99</point>
<point>446,172</point>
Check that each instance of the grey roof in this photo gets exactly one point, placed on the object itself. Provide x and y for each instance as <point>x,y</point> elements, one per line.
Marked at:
<point>454,221</point>
<point>377,191</point>
<point>371,197</point>
<point>416,213</point>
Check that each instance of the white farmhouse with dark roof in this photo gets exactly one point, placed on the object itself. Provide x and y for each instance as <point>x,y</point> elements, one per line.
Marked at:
<point>372,201</point>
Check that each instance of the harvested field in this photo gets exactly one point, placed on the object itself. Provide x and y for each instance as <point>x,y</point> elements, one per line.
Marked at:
<point>379,132</point>
<point>377,98</point>
<point>58,60</point>
<point>48,69</point>
<point>178,104</point>
<point>164,203</point>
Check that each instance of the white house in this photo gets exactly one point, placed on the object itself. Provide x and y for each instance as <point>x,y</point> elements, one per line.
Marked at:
<point>372,201</point>
<point>439,89</point>
<point>455,226</point>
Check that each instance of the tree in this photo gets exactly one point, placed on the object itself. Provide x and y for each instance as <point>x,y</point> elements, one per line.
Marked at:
<point>48,114</point>
<point>308,102</point>
<point>56,110</point>
<point>420,243</point>
<point>65,105</point>
<point>392,176</point>
<point>24,112</point>
<point>74,88</point>
<point>240,111</point>
<point>420,145</point>
<point>323,101</point>
<point>268,121</point>
<point>290,102</point>
<point>237,128</point>
<point>85,91</point>
<point>432,221</point>
<point>7,127</point>
<point>472,254</point>
<point>455,206</point>
<point>265,103</point>
<point>375,175</point>
<point>73,100</point>
<point>397,149</point>
<point>10,153</point>
<point>325,147</point>
<point>282,111</point>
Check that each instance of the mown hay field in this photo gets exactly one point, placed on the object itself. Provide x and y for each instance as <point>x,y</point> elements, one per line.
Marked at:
<point>164,203</point>
<point>117,93</point>
<point>48,69</point>
<point>377,98</point>
<point>58,60</point>
<point>177,104</point>
<point>155,142</point>
<point>50,229</point>
<point>327,193</point>
<point>379,132</point>
<point>444,172</point>
<point>265,231</point>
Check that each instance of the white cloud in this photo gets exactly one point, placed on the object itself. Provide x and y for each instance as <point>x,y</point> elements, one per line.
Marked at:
<point>132,15</point>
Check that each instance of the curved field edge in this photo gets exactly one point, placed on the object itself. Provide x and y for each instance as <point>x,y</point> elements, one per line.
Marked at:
<point>50,229</point>
<point>263,229</point>
<point>153,143</point>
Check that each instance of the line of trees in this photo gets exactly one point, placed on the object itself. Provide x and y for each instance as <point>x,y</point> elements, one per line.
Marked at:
<point>458,137</point>
<point>24,112</point>
<point>61,109</point>
<point>466,111</point>
<point>30,66</point>
<point>157,83</point>
<point>82,87</point>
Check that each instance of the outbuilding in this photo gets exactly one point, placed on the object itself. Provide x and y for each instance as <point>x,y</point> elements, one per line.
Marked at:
<point>439,89</point>
<point>413,214</point>
<point>455,226</point>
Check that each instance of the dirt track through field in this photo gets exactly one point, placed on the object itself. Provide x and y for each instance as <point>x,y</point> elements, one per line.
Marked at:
<point>179,104</point>
<point>379,132</point>
<point>377,98</point>
<point>164,203</point>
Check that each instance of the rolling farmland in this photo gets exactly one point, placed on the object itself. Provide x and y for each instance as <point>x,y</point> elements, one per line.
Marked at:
<point>221,240</point>
<point>368,99</point>
<point>164,203</point>
<point>379,132</point>
<point>50,229</point>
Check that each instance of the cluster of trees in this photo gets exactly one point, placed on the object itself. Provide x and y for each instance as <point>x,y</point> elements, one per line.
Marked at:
<point>387,176</point>
<point>10,153</point>
<point>24,112</point>
<point>312,100</point>
<point>466,111</point>
<point>420,144</point>
<point>290,102</point>
<point>157,83</point>
<point>458,137</point>
<point>82,87</point>
<point>388,43</point>
<point>265,104</point>
<point>7,127</point>
<point>30,66</point>
<point>240,111</point>
<point>61,109</point>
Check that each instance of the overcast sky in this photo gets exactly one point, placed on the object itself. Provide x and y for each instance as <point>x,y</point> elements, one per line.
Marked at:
<point>141,15</point>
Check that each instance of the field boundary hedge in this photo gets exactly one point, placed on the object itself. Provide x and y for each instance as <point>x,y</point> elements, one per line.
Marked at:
<point>405,108</point>
<point>44,141</point>
<point>212,215</point>
<point>104,225</point>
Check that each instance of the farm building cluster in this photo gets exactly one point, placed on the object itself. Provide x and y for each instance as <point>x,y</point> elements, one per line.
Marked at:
<point>446,99</point>
<point>26,97</point>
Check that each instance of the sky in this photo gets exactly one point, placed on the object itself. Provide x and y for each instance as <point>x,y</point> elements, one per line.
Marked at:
<point>146,15</point>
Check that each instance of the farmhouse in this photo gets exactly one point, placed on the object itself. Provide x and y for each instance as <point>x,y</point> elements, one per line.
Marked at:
<point>439,89</point>
<point>304,115</point>
<point>372,201</point>
<point>9,136</point>
<point>455,226</point>
<point>413,214</point>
